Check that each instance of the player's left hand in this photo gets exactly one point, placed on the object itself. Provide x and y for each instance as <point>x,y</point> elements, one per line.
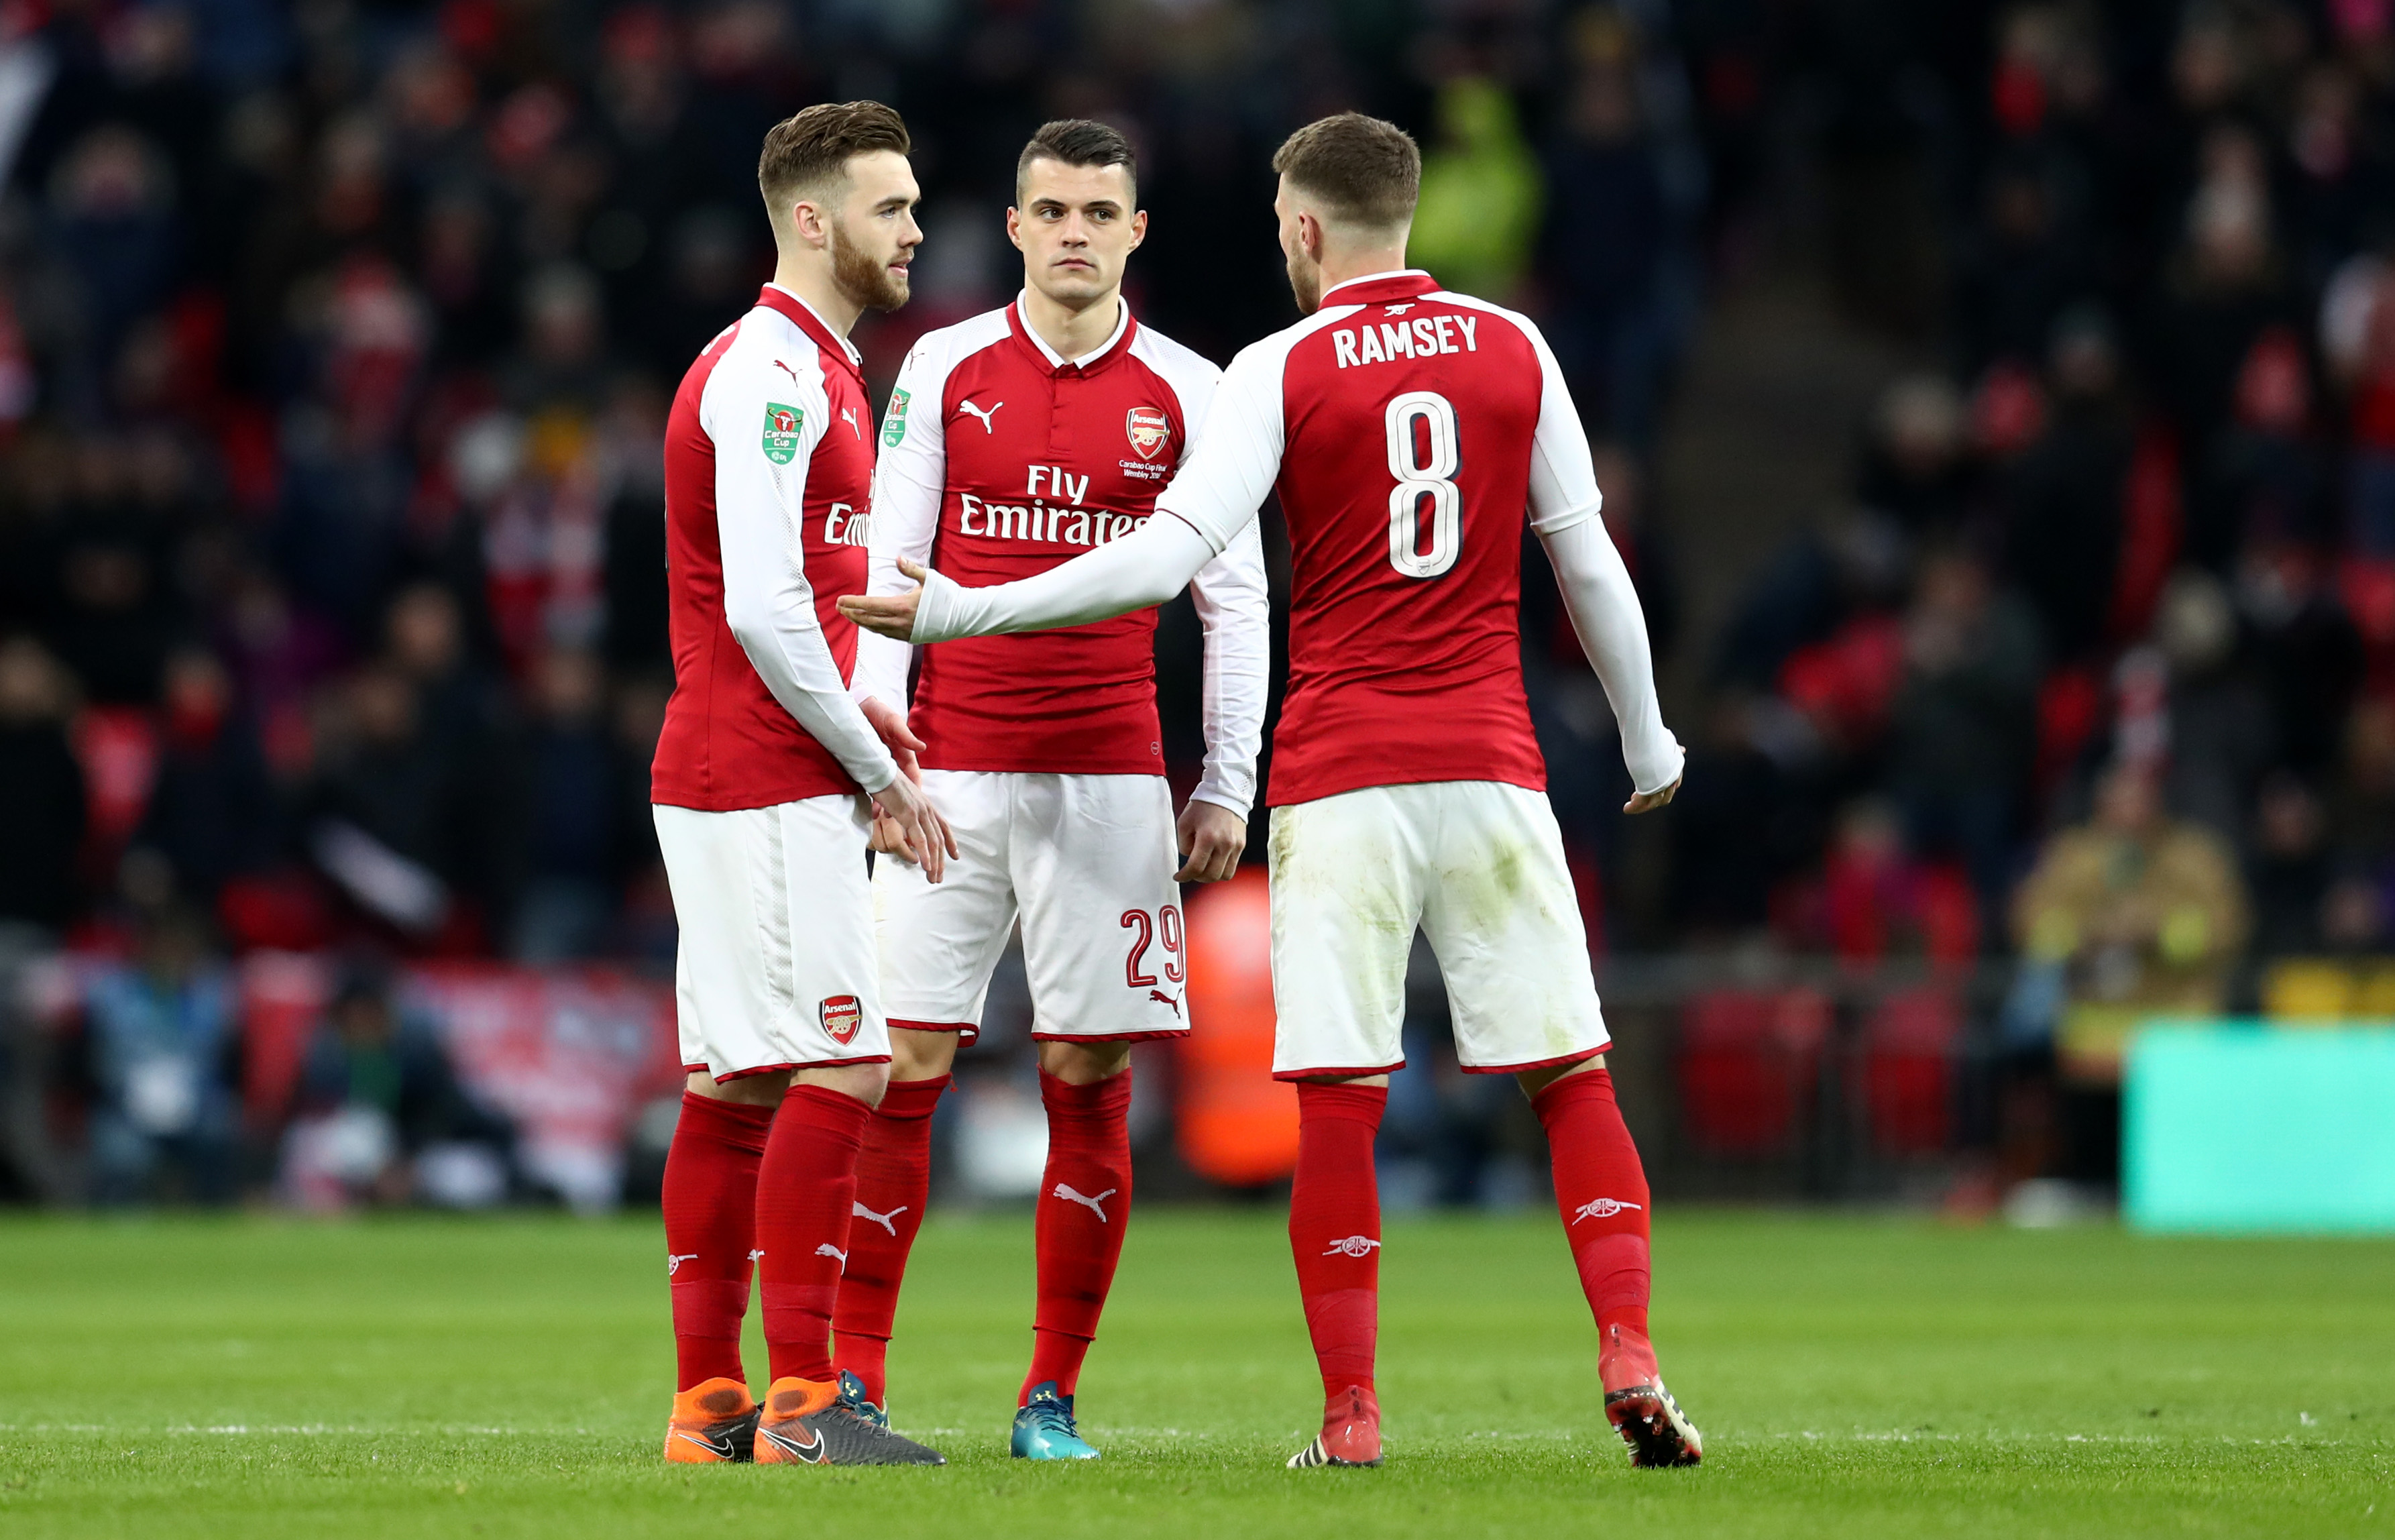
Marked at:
<point>1213,838</point>
<point>1647,802</point>
<point>892,615</point>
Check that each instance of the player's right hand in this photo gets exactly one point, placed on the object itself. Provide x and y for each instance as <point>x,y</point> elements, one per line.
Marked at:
<point>927,839</point>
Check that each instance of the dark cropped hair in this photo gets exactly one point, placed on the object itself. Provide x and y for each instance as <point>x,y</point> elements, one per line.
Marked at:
<point>1077,142</point>
<point>811,147</point>
<point>1365,172</point>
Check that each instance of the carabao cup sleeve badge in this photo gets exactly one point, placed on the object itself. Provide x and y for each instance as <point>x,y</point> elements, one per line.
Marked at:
<point>841,1017</point>
<point>782,425</point>
<point>894,421</point>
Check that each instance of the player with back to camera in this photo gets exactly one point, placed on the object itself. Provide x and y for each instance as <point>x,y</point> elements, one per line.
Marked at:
<point>1407,429</point>
<point>1013,442</point>
<point>765,771</point>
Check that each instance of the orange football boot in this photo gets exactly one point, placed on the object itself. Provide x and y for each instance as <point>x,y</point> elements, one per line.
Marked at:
<point>1351,1433</point>
<point>713,1423</point>
<point>825,1422</point>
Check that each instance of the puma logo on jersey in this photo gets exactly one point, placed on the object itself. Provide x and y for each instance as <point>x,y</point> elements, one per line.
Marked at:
<point>1599,1208</point>
<point>1423,337</point>
<point>787,370</point>
<point>859,1210</point>
<point>1085,1200</point>
<point>1174,1001</point>
<point>985,416</point>
<point>827,1249</point>
<point>673,1264</point>
<point>1352,1245</point>
<point>847,415</point>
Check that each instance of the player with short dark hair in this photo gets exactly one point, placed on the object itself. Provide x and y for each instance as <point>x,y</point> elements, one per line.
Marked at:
<point>1408,430</point>
<point>765,772</point>
<point>1014,441</point>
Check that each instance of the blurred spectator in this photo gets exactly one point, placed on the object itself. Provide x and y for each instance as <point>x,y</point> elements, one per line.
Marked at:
<point>1874,901</point>
<point>2062,501</point>
<point>2222,736</point>
<point>1963,729</point>
<point>1914,469</point>
<point>2145,914</point>
<point>212,811</point>
<point>1481,195</point>
<point>162,1044</point>
<point>2289,869</point>
<point>42,788</point>
<point>576,841</point>
<point>380,1116</point>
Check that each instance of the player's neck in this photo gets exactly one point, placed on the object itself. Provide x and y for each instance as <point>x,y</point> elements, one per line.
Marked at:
<point>1345,267</point>
<point>1072,334</point>
<point>813,282</point>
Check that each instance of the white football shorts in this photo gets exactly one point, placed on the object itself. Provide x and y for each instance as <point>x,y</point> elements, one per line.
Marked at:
<point>1087,861</point>
<point>776,965</point>
<point>1479,867</point>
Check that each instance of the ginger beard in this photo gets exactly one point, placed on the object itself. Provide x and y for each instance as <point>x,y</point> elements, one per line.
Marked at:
<point>862,278</point>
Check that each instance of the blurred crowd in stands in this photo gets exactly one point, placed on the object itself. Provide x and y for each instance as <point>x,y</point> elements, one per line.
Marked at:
<point>335,340</point>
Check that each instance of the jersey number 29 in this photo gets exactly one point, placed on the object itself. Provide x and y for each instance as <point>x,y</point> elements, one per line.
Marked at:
<point>1424,480</point>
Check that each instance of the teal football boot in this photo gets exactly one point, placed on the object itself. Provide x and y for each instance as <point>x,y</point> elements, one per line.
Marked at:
<point>1044,1430</point>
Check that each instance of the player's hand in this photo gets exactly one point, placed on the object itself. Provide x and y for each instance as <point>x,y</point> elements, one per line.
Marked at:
<point>1647,802</point>
<point>1212,837</point>
<point>896,736</point>
<point>892,615</point>
<point>924,835</point>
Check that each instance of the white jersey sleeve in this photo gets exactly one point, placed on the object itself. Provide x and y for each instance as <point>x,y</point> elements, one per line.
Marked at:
<point>1233,607</point>
<point>768,604</point>
<point>1596,588</point>
<point>1233,463</point>
<point>910,476</point>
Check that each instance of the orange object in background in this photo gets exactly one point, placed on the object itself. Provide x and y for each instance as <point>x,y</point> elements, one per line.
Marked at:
<point>1237,1125</point>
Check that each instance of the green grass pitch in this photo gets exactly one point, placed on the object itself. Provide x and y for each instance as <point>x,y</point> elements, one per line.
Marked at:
<point>1856,1378</point>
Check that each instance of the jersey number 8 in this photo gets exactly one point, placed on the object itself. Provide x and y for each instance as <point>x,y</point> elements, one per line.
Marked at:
<point>1418,480</point>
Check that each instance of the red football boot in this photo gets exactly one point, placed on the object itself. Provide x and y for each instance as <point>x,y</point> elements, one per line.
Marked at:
<point>1351,1433</point>
<point>1649,1421</point>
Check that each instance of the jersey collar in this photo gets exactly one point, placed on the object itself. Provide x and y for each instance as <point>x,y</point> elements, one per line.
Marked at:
<point>1054,360</point>
<point>1373,287</point>
<point>773,297</point>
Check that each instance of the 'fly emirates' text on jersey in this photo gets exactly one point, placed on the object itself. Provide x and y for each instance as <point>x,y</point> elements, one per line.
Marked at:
<point>999,459</point>
<point>1399,424</point>
<point>769,468</point>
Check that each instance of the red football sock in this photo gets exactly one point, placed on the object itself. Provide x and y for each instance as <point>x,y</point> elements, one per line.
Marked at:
<point>893,1182</point>
<point>1601,1191</point>
<point>1084,1203</point>
<point>804,1191</point>
<point>1334,1228</point>
<point>710,1203</point>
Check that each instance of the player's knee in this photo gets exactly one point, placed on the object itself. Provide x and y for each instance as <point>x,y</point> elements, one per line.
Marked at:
<point>1084,1063</point>
<point>915,1055</point>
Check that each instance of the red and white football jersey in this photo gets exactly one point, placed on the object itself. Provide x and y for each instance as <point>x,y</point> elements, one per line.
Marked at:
<point>1000,459</point>
<point>1409,430</point>
<point>769,472</point>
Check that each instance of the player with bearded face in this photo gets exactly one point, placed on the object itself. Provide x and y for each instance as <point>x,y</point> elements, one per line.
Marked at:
<point>767,786</point>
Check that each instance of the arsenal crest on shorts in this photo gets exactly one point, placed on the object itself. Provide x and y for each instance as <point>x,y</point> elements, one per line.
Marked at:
<point>1148,428</point>
<point>841,1017</point>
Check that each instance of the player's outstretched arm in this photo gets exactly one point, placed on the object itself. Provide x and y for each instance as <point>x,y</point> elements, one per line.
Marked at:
<point>1145,567</point>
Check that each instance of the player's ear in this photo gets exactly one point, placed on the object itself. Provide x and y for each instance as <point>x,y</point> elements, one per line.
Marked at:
<point>1138,228</point>
<point>1014,227</point>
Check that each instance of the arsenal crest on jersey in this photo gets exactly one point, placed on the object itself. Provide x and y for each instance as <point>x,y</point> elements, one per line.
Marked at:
<point>841,1017</point>
<point>1148,428</point>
